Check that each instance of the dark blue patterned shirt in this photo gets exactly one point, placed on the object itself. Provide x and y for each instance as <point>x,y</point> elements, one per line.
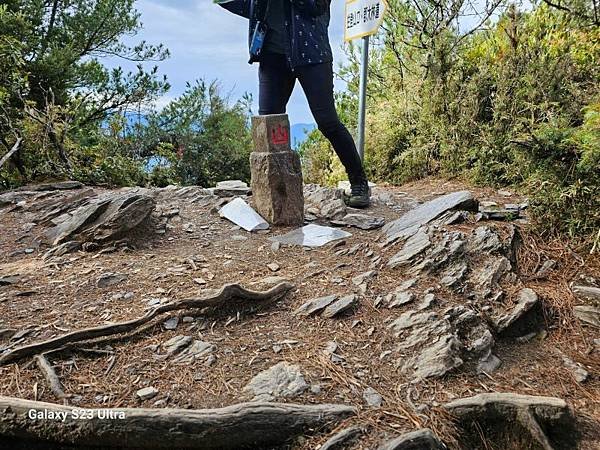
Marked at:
<point>306,25</point>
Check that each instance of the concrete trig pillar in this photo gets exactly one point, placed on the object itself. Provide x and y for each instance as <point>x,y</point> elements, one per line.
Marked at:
<point>276,172</point>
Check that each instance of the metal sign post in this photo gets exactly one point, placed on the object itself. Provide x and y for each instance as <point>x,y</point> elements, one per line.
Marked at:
<point>363,18</point>
<point>362,97</point>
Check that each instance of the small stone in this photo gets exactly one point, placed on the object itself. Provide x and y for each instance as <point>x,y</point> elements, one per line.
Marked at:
<point>153,302</point>
<point>9,280</point>
<point>315,389</point>
<point>200,281</point>
<point>364,277</point>
<point>372,397</point>
<point>275,246</point>
<point>274,267</point>
<point>272,280</point>
<point>342,305</point>
<point>176,344</point>
<point>147,393</point>
<point>548,266</point>
<point>280,381</point>
<point>210,361</point>
<point>489,364</point>
<point>128,296</point>
<point>188,319</point>
<point>486,204</point>
<point>579,373</point>
<point>330,348</point>
<point>401,298</point>
<point>171,324</point>
<point>277,349</point>
<point>110,279</point>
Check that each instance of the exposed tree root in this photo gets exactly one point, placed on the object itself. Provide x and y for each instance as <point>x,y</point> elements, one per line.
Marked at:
<point>548,421</point>
<point>221,298</point>
<point>51,377</point>
<point>246,425</point>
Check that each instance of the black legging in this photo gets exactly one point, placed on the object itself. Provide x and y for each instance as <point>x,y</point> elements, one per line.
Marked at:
<point>276,82</point>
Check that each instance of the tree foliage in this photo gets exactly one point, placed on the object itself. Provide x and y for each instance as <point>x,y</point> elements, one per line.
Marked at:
<point>73,114</point>
<point>511,101</point>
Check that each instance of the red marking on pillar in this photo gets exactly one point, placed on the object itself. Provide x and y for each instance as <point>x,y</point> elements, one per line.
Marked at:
<point>280,135</point>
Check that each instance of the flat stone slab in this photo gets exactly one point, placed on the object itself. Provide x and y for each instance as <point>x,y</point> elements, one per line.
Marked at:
<point>409,223</point>
<point>588,314</point>
<point>9,280</point>
<point>198,349</point>
<point>283,380</point>
<point>372,397</point>
<point>58,186</point>
<point>176,344</point>
<point>315,306</point>
<point>361,221</point>
<point>231,188</point>
<point>242,214</point>
<point>311,236</point>
<point>147,393</point>
<point>414,246</point>
<point>340,306</point>
<point>110,279</point>
<point>102,218</point>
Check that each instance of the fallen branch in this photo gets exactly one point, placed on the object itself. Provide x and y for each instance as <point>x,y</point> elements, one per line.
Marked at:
<point>51,377</point>
<point>246,425</point>
<point>227,293</point>
<point>12,151</point>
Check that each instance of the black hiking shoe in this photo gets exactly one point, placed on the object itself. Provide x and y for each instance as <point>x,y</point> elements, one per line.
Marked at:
<point>359,193</point>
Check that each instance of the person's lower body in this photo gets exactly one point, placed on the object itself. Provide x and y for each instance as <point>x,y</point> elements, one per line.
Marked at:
<point>276,83</point>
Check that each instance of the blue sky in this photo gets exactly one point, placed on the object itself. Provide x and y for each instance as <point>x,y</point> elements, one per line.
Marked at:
<point>210,43</point>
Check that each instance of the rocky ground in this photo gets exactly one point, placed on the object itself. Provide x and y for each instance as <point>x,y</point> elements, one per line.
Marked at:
<point>438,296</point>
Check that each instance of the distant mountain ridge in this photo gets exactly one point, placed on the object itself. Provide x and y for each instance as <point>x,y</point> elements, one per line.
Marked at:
<point>299,131</point>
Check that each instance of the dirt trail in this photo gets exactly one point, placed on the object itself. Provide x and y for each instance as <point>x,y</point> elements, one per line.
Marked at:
<point>357,358</point>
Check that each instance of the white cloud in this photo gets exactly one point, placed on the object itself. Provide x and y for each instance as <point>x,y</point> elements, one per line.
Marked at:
<point>208,42</point>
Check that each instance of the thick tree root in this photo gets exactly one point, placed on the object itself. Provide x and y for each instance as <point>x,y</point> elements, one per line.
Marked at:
<point>542,418</point>
<point>221,298</point>
<point>246,425</point>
